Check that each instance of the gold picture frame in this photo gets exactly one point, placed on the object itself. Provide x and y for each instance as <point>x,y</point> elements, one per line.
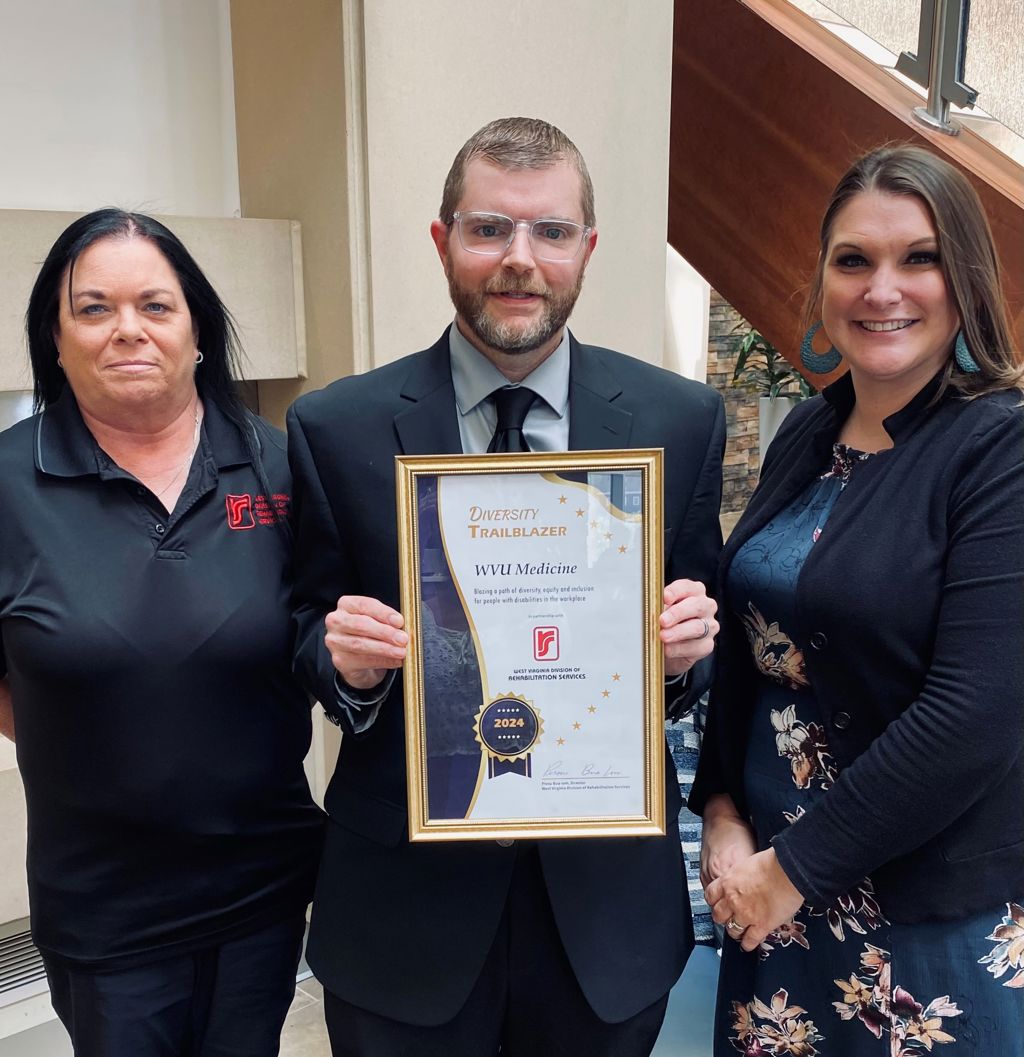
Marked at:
<point>531,587</point>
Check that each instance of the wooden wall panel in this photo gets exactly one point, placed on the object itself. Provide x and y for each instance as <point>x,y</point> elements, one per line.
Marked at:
<point>768,111</point>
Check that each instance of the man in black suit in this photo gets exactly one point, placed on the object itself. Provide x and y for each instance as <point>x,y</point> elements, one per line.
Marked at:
<point>531,948</point>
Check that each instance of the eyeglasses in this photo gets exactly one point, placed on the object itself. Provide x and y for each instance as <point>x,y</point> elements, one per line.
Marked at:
<point>492,233</point>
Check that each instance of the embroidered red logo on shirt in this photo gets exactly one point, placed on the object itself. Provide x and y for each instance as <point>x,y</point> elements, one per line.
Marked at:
<point>240,512</point>
<point>247,511</point>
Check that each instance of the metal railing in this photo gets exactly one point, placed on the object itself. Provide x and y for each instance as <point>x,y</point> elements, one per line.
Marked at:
<point>938,64</point>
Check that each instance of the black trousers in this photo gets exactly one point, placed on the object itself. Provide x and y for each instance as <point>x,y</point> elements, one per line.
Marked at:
<point>526,1001</point>
<point>225,1001</point>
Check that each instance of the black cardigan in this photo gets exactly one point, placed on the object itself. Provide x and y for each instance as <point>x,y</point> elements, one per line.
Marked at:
<point>911,620</point>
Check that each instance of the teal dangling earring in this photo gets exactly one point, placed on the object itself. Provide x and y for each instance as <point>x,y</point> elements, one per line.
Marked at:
<point>818,363</point>
<point>962,354</point>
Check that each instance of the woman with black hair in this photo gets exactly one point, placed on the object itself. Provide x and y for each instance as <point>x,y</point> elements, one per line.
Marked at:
<point>145,660</point>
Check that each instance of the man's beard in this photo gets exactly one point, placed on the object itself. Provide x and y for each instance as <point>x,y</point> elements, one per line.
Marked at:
<point>512,336</point>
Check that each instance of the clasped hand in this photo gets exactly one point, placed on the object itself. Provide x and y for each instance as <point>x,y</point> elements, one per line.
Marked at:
<point>747,890</point>
<point>367,638</point>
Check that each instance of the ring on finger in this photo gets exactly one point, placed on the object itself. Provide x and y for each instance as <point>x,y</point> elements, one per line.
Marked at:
<point>707,628</point>
<point>735,925</point>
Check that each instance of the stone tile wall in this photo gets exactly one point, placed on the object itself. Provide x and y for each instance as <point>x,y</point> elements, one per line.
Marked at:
<point>725,332</point>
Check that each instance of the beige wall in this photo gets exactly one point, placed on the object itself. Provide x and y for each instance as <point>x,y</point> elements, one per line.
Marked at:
<point>436,72</point>
<point>125,103</point>
<point>13,884</point>
<point>348,119</point>
<point>290,113</point>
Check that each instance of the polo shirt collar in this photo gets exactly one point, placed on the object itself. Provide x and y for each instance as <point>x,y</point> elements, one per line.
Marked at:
<point>226,444</point>
<point>899,425</point>
<point>64,447</point>
<point>474,377</point>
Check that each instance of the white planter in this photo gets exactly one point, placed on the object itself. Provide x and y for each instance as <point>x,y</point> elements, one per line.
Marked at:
<point>770,414</point>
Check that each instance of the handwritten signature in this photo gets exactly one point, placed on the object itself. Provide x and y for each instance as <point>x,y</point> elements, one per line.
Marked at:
<point>588,770</point>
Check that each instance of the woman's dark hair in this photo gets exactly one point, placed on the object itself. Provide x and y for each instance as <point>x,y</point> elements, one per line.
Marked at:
<point>967,256</point>
<point>215,332</point>
<point>214,328</point>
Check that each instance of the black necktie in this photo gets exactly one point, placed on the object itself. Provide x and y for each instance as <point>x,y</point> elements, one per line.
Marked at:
<point>512,405</point>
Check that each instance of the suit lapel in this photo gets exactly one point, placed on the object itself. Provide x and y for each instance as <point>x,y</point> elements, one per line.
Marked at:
<point>429,425</point>
<point>594,421</point>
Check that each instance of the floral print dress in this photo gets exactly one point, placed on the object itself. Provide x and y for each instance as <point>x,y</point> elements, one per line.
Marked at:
<point>839,980</point>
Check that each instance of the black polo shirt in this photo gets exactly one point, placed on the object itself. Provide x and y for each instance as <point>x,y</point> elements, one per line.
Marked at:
<point>160,735</point>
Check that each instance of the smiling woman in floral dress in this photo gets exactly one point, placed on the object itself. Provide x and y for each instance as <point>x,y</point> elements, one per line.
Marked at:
<point>863,768</point>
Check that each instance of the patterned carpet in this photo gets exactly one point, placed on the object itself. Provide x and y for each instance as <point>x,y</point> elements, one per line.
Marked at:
<point>684,742</point>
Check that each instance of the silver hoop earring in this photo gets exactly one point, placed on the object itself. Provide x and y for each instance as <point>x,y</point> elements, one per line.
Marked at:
<point>199,358</point>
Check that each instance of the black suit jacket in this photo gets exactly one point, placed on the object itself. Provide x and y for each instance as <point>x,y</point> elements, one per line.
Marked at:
<point>403,929</point>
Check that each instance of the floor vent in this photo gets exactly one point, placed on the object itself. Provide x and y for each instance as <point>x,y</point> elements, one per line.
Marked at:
<point>21,967</point>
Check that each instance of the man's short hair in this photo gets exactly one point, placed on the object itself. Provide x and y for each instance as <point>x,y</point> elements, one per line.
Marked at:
<point>517,143</point>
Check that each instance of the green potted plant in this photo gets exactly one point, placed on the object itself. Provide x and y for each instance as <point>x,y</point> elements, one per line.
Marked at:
<point>778,384</point>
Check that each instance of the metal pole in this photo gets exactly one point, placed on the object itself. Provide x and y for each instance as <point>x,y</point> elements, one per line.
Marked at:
<point>936,113</point>
<point>942,39</point>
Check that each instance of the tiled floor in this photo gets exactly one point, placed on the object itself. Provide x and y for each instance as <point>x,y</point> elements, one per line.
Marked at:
<point>687,1030</point>
<point>691,1009</point>
<point>304,1032</point>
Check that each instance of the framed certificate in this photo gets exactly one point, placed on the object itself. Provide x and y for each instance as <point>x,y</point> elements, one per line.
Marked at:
<point>531,589</point>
